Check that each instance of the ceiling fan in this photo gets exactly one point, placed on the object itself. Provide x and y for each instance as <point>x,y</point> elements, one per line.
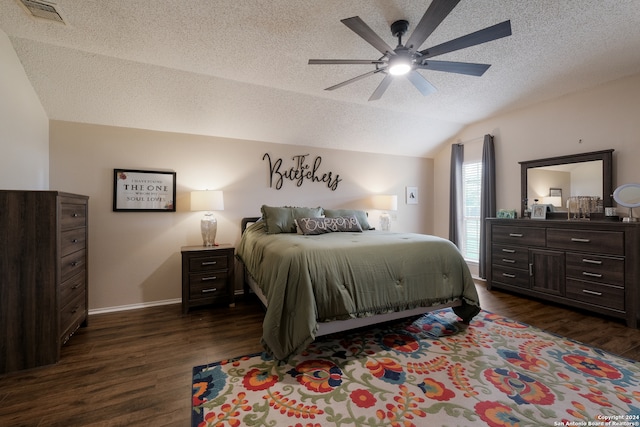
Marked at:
<point>407,59</point>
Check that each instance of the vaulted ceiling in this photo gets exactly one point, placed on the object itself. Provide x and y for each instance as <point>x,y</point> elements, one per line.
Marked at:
<point>239,69</point>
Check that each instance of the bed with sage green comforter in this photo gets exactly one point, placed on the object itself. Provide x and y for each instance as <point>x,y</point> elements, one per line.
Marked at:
<point>335,276</point>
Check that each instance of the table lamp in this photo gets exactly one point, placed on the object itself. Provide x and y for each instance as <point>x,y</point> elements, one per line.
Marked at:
<point>385,203</point>
<point>207,201</point>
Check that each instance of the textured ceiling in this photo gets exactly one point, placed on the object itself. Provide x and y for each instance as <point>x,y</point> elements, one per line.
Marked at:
<point>239,69</point>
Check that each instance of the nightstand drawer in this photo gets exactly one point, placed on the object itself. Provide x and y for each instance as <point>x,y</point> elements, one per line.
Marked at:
<point>596,293</point>
<point>208,285</point>
<point>207,262</point>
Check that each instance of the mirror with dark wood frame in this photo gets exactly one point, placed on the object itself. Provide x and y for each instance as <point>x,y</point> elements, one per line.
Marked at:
<point>602,162</point>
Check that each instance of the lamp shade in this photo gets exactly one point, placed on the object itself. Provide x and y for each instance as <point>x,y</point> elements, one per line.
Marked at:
<point>385,202</point>
<point>207,200</point>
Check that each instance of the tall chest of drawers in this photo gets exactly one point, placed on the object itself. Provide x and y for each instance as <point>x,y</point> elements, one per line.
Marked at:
<point>43,275</point>
<point>592,265</point>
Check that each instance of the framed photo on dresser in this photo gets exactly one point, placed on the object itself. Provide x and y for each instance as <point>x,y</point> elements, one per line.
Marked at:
<point>144,191</point>
<point>539,212</point>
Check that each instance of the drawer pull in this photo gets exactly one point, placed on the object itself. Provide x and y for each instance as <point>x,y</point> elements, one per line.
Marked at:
<point>511,261</point>
<point>74,263</point>
<point>74,241</point>
<point>204,291</point>
<point>209,263</point>
<point>204,279</point>
<point>75,309</point>
<point>75,215</point>
<point>509,275</point>
<point>586,273</point>
<point>76,286</point>
<point>515,234</point>
<point>576,239</point>
<point>591,261</point>
<point>587,291</point>
<point>509,251</point>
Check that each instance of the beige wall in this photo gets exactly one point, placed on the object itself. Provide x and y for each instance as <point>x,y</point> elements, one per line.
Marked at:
<point>134,257</point>
<point>24,127</point>
<point>604,117</point>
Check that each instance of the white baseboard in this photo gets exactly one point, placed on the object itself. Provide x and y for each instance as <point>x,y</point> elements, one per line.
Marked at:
<point>134,306</point>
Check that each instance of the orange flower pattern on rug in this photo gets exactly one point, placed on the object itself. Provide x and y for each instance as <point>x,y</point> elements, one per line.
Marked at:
<point>427,371</point>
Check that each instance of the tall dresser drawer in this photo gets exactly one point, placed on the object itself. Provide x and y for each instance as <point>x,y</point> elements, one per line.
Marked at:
<point>73,240</point>
<point>595,268</point>
<point>526,236</point>
<point>71,288</point>
<point>511,276</point>
<point>73,215</point>
<point>596,293</point>
<point>72,264</point>
<point>603,242</point>
<point>71,316</point>
<point>511,256</point>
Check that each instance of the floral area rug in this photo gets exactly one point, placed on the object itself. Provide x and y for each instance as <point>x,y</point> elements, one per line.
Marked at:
<point>426,372</point>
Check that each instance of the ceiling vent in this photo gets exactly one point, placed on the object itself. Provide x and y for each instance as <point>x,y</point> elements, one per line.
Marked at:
<point>42,9</point>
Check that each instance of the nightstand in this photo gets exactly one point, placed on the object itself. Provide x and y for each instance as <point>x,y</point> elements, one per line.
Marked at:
<point>207,275</point>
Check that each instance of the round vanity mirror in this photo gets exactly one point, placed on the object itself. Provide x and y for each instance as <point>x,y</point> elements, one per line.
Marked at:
<point>628,195</point>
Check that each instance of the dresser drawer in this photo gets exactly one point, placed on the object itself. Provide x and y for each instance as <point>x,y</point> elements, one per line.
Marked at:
<point>72,264</point>
<point>511,276</point>
<point>207,263</point>
<point>73,240</point>
<point>70,289</point>
<point>511,256</point>
<point>595,268</point>
<point>208,285</point>
<point>602,242</point>
<point>596,293</point>
<point>71,315</point>
<point>73,215</point>
<point>526,236</point>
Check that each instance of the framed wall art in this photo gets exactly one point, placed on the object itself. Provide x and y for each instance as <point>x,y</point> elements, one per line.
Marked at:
<point>144,191</point>
<point>412,195</point>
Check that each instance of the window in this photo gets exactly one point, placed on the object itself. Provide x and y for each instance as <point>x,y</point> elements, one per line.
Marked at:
<point>471,184</point>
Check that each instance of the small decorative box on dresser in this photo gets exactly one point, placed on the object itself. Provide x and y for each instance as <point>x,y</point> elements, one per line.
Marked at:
<point>592,265</point>
<point>43,275</point>
<point>207,275</point>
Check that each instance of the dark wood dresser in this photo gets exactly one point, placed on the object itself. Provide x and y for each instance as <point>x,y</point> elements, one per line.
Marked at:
<point>207,275</point>
<point>592,265</point>
<point>43,275</point>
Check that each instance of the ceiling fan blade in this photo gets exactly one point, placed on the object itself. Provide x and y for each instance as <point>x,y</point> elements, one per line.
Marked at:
<point>358,26</point>
<point>420,83</point>
<point>355,79</point>
<point>344,61</point>
<point>488,34</point>
<point>435,14</point>
<point>470,69</point>
<point>382,87</point>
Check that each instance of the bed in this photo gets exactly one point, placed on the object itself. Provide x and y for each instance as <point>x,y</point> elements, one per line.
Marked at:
<point>320,283</point>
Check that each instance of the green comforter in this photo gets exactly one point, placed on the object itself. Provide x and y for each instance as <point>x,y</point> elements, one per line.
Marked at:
<point>311,279</point>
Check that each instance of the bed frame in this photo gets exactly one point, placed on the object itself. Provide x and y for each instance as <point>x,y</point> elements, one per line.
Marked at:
<point>325,328</point>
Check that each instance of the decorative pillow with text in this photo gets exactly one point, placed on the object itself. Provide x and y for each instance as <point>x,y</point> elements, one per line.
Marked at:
<point>312,226</point>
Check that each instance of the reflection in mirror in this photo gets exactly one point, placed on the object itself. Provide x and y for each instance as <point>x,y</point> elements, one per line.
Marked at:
<point>584,175</point>
<point>553,185</point>
<point>628,195</point>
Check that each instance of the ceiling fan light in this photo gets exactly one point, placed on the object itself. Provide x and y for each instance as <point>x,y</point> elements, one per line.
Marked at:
<point>399,69</point>
<point>399,65</point>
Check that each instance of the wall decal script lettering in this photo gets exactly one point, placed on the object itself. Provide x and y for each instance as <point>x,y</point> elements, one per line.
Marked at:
<point>299,172</point>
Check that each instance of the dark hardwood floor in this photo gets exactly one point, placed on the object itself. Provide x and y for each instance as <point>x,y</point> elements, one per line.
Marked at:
<point>133,368</point>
